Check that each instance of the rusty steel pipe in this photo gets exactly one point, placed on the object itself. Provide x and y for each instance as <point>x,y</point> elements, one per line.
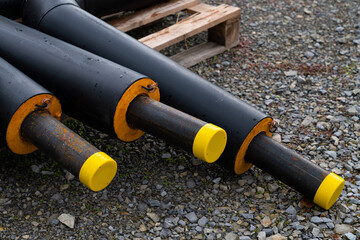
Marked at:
<point>94,168</point>
<point>314,182</point>
<point>177,128</point>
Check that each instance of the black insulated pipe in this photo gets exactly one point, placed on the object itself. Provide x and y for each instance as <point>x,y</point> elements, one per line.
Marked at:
<point>29,116</point>
<point>180,88</point>
<point>104,7</point>
<point>96,90</point>
<point>11,8</point>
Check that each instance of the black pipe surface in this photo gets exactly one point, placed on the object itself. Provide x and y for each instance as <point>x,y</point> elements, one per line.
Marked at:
<point>13,8</point>
<point>180,88</point>
<point>103,7</point>
<point>93,88</point>
<point>90,86</point>
<point>26,118</point>
<point>10,8</point>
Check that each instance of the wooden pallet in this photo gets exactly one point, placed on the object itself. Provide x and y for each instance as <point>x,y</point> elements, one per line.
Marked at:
<point>221,22</point>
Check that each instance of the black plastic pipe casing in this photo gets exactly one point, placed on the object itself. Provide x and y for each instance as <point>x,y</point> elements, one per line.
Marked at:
<point>98,91</point>
<point>180,88</point>
<point>90,86</point>
<point>11,8</point>
<point>103,7</point>
<point>29,118</point>
<point>15,89</point>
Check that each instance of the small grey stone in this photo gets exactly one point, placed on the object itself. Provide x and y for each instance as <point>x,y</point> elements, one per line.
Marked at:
<point>352,111</point>
<point>231,236</point>
<point>291,210</point>
<point>326,220</point>
<point>342,228</point>
<point>191,217</point>
<point>226,63</point>
<point>198,229</point>
<point>215,212</point>
<point>244,238</point>
<point>247,215</point>
<point>182,223</point>
<point>154,203</point>
<point>309,54</point>
<point>57,197</point>
<point>344,208</point>
<point>348,220</point>
<point>35,168</point>
<point>315,232</point>
<point>196,161</point>
<point>291,73</point>
<point>55,221</point>
<point>190,183</point>
<point>330,225</point>
<point>69,176</point>
<point>154,217</point>
<point>142,207</point>
<point>203,221</point>
<point>342,40</point>
<point>307,121</point>
<point>331,154</point>
<point>350,236</point>
<point>261,235</point>
<point>339,29</point>
<point>356,41</point>
<point>165,233</point>
<point>67,219</point>
<point>166,155</point>
<point>316,220</point>
<point>47,173</point>
<point>217,180</point>
<point>268,102</point>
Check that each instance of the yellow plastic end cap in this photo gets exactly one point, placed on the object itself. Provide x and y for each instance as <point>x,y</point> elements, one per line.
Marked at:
<point>97,171</point>
<point>209,143</point>
<point>329,191</point>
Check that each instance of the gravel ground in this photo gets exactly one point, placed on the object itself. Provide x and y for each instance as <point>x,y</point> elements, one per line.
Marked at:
<point>298,61</point>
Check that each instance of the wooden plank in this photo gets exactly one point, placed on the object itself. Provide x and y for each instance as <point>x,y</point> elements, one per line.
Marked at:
<point>200,52</point>
<point>151,14</point>
<point>193,25</point>
<point>225,33</point>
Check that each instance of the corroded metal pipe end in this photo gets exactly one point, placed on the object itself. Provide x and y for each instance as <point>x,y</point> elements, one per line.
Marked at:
<point>94,168</point>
